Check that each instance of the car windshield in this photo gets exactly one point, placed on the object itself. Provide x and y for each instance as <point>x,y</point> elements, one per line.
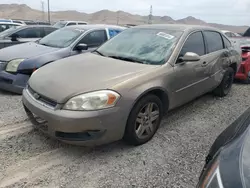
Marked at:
<point>142,45</point>
<point>61,38</point>
<point>60,24</point>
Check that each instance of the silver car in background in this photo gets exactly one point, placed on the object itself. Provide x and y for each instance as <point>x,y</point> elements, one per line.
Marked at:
<point>123,89</point>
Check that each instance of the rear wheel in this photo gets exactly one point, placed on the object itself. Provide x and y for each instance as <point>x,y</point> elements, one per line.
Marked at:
<point>226,84</point>
<point>144,120</point>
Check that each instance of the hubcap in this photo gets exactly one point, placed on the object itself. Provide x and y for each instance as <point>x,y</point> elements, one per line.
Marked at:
<point>147,120</point>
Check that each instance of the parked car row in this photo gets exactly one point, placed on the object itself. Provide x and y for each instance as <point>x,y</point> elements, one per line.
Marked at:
<point>24,34</point>
<point>24,22</point>
<point>89,85</point>
<point>63,23</point>
<point>7,25</point>
<point>20,61</point>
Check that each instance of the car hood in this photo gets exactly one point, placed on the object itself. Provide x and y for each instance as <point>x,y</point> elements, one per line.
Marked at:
<point>24,51</point>
<point>83,73</point>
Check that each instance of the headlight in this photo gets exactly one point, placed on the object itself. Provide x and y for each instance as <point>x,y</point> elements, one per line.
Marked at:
<point>92,101</point>
<point>13,65</point>
<point>212,178</point>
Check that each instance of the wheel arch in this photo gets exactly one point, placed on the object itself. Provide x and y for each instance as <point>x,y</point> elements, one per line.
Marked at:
<point>234,67</point>
<point>159,92</point>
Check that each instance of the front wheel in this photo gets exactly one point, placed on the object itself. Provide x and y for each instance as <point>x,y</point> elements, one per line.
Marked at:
<point>144,120</point>
<point>226,84</point>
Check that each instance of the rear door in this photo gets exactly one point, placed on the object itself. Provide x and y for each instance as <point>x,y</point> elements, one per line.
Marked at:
<point>190,76</point>
<point>218,57</point>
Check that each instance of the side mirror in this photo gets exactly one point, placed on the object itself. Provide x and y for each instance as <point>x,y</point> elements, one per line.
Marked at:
<point>189,56</point>
<point>14,37</point>
<point>81,47</point>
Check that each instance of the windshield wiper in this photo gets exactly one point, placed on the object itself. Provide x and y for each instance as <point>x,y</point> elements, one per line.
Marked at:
<point>127,59</point>
<point>43,44</point>
<point>96,51</point>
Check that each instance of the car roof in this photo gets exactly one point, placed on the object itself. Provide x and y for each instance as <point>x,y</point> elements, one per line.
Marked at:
<point>10,23</point>
<point>178,27</point>
<point>95,26</point>
<point>30,26</point>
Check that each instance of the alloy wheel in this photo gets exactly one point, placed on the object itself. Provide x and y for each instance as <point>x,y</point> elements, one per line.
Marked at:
<point>147,120</point>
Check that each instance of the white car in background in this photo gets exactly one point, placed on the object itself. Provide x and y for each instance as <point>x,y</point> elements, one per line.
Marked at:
<point>62,24</point>
<point>235,39</point>
<point>230,34</point>
<point>7,25</point>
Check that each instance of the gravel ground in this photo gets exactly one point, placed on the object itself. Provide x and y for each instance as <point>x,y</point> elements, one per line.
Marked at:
<point>174,158</point>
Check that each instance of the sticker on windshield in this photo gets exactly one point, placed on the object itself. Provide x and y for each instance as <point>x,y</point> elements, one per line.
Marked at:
<point>165,35</point>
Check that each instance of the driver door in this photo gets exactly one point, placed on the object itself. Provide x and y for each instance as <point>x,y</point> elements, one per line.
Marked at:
<point>190,76</point>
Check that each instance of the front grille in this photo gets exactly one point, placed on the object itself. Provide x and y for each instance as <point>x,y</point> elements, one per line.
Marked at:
<point>42,99</point>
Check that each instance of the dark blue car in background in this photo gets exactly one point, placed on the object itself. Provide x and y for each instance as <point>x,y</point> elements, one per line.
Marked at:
<point>18,62</point>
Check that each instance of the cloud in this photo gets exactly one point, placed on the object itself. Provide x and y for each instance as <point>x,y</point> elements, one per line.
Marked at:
<point>234,12</point>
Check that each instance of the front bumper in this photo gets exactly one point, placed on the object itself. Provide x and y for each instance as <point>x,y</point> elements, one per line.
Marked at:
<point>88,128</point>
<point>13,82</point>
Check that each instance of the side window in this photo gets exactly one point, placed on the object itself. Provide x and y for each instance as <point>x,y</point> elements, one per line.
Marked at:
<point>214,41</point>
<point>31,33</point>
<point>81,23</point>
<point>233,35</point>
<point>4,27</point>
<point>94,38</point>
<point>194,43</point>
<point>227,43</point>
<point>228,34</point>
<point>113,32</point>
<point>48,30</point>
<point>71,23</point>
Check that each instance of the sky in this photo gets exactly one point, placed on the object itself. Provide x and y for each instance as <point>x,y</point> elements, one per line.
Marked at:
<point>233,12</point>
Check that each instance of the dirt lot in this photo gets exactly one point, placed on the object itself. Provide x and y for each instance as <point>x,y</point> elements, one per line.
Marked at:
<point>174,157</point>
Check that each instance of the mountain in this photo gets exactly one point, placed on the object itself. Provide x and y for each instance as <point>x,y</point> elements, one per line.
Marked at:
<point>22,11</point>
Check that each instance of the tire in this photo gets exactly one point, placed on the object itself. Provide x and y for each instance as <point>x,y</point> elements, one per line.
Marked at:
<point>142,125</point>
<point>247,81</point>
<point>226,84</point>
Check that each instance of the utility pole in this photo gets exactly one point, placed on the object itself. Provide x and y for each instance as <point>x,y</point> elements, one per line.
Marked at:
<point>48,12</point>
<point>43,13</point>
<point>117,18</point>
<point>150,17</point>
